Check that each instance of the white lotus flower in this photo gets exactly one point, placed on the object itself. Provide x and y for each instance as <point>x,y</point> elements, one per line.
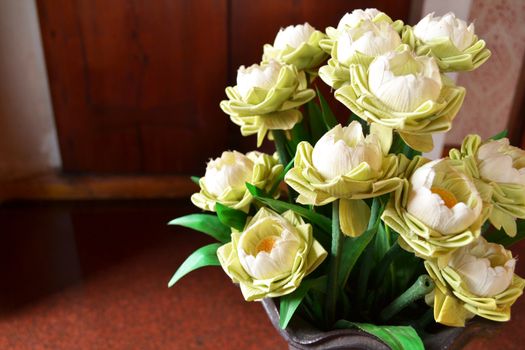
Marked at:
<point>369,39</point>
<point>257,76</point>
<point>502,163</point>
<point>344,148</point>
<point>442,198</point>
<point>355,17</point>
<point>447,26</point>
<point>229,172</point>
<point>266,254</point>
<point>404,81</point>
<point>293,36</point>
<point>486,268</point>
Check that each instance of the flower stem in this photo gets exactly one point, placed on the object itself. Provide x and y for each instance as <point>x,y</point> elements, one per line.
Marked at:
<point>335,257</point>
<point>419,289</point>
<point>280,145</point>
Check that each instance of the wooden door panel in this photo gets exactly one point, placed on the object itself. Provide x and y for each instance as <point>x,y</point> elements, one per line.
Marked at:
<point>121,69</point>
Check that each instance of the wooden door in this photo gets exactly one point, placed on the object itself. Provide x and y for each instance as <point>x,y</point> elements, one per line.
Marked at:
<point>136,84</point>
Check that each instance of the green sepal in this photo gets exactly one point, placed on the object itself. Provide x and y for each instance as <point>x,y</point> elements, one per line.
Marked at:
<point>396,337</point>
<point>231,217</point>
<point>205,223</point>
<point>289,303</point>
<point>204,256</point>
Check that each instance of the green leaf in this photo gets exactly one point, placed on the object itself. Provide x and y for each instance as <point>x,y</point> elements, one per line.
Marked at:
<point>328,117</point>
<point>500,237</point>
<point>205,223</point>
<point>231,217</point>
<point>396,337</point>
<point>290,302</point>
<point>352,250</point>
<point>499,135</point>
<point>195,179</point>
<point>315,119</point>
<point>204,256</point>
<point>320,220</point>
<point>299,134</point>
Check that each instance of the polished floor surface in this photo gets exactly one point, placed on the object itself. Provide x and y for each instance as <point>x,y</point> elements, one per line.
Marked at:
<point>93,275</point>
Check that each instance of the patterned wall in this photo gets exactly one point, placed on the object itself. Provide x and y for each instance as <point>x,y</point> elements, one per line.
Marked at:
<point>491,88</point>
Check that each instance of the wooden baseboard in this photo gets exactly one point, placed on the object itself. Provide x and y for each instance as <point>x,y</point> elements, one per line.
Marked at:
<point>91,187</point>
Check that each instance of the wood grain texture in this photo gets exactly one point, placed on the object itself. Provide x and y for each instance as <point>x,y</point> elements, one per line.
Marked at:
<point>136,84</point>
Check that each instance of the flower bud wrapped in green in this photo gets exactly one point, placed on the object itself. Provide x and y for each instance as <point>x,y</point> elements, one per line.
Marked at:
<point>346,165</point>
<point>355,19</point>
<point>272,256</point>
<point>477,279</point>
<point>405,92</point>
<point>449,39</point>
<point>266,97</point>
<point>358,45</point>
<point>226,177</point>
<point>500,171</point>
<point>297,45</point>
<point>439,209</point>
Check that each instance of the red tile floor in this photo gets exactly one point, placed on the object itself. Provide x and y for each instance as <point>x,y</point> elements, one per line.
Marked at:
<point>94,275</point>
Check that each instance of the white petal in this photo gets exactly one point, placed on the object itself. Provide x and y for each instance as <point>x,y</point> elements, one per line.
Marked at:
<point>447,26</point>
<point>264,76</point>
<point>231,170</point>
<point>293,36</point>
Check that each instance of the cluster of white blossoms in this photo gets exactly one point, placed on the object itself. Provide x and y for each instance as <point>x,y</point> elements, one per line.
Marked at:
<point>392,76</point>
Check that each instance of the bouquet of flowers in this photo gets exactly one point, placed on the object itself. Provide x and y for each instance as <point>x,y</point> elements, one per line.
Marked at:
<point>348,224</point>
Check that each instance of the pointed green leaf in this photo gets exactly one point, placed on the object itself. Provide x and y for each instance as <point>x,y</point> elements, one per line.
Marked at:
<point>231,217</point>
<point>204,256</point>
<point>328,117</point>
<point>315,119</point>
<point>320,220</point>
<point>195,179</point>
<point>290,302</point>
<point>499,135</point>
<point>396,337</point>
<point>205,223</point>
<point>352,250</point>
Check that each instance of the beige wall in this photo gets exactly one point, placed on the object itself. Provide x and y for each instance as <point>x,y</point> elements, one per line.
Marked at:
<point>28,142</point>
<point>491,88</point>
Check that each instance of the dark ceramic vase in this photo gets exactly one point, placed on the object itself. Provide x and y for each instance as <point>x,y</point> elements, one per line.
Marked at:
<point>301,335</point>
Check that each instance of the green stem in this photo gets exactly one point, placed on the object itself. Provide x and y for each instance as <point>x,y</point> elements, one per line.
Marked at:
<point>419,289</point>
<point>280,145</point>
<point>335,257</point>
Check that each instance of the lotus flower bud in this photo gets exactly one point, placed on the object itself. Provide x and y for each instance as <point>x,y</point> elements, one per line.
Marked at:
<point>404,81</point>
<point>343,149</point>
<point>226,177</point>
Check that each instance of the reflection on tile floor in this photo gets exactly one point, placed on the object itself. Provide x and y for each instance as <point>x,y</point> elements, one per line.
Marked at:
<point>94,275</point>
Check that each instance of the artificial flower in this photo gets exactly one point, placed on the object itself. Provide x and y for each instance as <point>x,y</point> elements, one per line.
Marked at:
<point>477,279</point>
<point>454,44</point>
<point>439,209</point>
<point>360,44</point>
<point>353,20</point>
<point>405,92</point>
<point>346,165</point>
<point>500,173</point>
<point>225,179</point>
<point>297,45</point>
<point>266,97</point>
<point>272,255</point>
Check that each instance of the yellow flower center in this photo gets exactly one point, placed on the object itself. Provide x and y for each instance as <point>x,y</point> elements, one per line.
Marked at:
<point>265,245</point>
<point>447,196</point>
